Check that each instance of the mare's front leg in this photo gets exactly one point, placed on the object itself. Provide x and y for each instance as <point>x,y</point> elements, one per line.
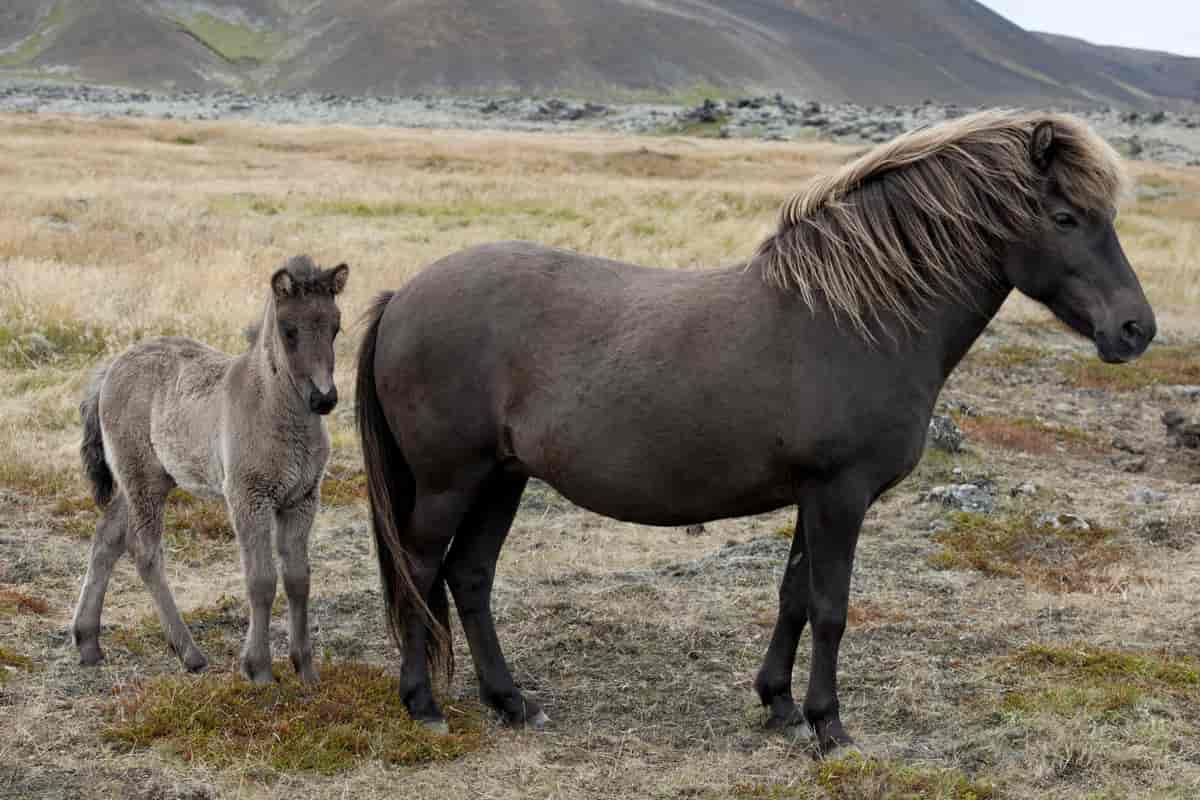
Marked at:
<point>831,516</point>
<point>774,681</point>
<point>252,517</point>
<point>292,528</point>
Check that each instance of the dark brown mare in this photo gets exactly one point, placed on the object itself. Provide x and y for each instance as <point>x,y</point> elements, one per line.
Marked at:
<point>667,397</point>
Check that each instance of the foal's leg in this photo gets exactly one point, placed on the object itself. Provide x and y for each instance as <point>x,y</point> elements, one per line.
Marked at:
<point>832,517</point>
<point>292,528</point>
<point>434,520</point>
<point>146,505</point>
<point>774,681</point>
<point>107,546</point>
<point>470,569</point>
<point>252,523</point>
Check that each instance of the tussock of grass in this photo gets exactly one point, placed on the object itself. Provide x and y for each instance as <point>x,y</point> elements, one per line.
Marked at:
<point>1015,546</point>
<point>344,487</point>
<point>39,484</point>
<point>1159,366</point>
<point>14,602</point>
<point>11,663</point>
<point>856,777</point>
<point>187,515</point>
<point>1009,356</point>
<point>1027,435</point>
<point>353,715</point>
<point>66,343</point>
<point>1094,682</point>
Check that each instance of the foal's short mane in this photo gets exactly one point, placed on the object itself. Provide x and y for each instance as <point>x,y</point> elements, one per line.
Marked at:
<point>921,216</point>
<point>307,278</point>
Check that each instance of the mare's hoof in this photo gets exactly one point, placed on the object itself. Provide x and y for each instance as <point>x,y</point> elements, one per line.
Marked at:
<point>792,721</point>
<point>539,721</point>
<point>436,726</point>
<point>831,736</point>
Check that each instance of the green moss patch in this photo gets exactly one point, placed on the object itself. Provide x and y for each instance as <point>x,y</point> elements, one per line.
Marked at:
<point>353,715</point>
<point>232,42</point>
<point>856,777</point>
<point>1159,366</point>
<point>1062,559</point>
<point>1069,681</point>
<point>1009,356</point>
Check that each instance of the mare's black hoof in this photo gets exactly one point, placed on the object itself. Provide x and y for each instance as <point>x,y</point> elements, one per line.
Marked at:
<point>831,736</point>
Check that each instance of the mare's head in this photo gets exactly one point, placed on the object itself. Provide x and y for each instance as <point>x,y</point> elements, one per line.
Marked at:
<point>306,321</point>
<point>1071,260</point>
<point>1011,199</point>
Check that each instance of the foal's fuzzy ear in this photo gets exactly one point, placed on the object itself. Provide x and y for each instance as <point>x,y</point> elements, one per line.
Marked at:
<point>283,283</point>
<point>337,278</point>
<point>1041,145</point>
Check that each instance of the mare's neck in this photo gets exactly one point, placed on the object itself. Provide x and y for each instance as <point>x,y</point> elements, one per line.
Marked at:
<point>951,327</point>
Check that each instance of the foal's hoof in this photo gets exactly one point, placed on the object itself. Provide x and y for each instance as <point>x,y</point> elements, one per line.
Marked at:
<point>90,655</point>
<point>435,726</point>
<point>195,661</point>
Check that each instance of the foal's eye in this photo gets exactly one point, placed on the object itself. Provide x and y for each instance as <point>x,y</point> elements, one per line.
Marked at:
<point>1064,220</point>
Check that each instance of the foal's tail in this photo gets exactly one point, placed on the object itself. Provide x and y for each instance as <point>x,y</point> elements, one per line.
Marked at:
<point>392,491</point>
<point>91,449</point>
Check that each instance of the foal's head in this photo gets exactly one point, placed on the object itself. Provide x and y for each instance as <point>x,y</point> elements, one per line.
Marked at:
<point>1072,260</point>
<point>307,321</point>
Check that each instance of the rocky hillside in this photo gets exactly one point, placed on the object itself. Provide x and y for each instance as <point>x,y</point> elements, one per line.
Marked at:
<point>865,51</point>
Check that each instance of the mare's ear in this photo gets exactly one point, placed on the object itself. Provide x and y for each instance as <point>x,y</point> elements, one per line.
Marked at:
<point>283,283</point>
<point>1041,145</point>
<point>337,278</point>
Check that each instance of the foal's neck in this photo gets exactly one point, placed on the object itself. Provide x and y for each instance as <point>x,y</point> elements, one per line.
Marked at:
<point>267,364</point>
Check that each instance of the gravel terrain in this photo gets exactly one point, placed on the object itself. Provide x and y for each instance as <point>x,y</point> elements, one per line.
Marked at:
<point>1171,137</point>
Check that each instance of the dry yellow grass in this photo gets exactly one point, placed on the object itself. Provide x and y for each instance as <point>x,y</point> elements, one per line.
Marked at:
<point>112,230</point>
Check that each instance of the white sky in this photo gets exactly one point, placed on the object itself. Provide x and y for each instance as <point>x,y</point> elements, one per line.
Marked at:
<point>1170,25</point>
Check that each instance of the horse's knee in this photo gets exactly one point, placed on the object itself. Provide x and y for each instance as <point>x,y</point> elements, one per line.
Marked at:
<point>261,588</point>
<point>471,587</point>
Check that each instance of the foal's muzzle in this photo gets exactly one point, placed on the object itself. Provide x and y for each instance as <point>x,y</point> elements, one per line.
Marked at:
<point>322,402</point>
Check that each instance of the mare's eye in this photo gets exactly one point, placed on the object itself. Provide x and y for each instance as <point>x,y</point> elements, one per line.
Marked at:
<point>290,335</point>
<point>1064,220</point>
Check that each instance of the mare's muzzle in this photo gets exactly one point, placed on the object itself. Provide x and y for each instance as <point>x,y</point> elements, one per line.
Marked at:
<point>1127,341</point>
<point>322,402</point>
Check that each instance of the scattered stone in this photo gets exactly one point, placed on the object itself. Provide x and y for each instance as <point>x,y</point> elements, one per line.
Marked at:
<point>944,434</point>
<point>1147,496</point>
<point>978,497</point>
<point>37,347</point>
<point>1125,447</point>
<point>694,530</point>
<point>1154,529</point>
<point>1184,392</point>
<point>1131,464</point>
<point>1024,489</point>
<point>1063,521</point>
<point>1181,432</point>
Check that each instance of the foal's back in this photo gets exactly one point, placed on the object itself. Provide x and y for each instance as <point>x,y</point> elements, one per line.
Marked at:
<point>161,407</point>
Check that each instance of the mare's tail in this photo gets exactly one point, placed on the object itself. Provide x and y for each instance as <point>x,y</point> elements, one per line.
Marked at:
<point>392,491</point>
<point>91,449</point>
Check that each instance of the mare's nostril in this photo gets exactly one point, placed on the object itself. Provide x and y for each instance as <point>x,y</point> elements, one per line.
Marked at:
<point>1132,330</point>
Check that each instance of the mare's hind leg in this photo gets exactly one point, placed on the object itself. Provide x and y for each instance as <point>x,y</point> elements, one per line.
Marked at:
<point>146,505</point>
<point>107,546</point>
<point>434,521</point>
<point>292,528</point>
<point>252,523</point>
<point>470,569</point>
<point>774,681</point>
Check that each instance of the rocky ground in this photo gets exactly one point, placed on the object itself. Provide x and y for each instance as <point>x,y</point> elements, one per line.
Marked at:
<point>1168,136</point>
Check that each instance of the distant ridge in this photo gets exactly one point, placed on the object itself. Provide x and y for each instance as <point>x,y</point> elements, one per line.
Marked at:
<point>864,51</point>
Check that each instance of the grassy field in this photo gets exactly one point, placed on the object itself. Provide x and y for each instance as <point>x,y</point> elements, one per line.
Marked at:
<point>987,656</point>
